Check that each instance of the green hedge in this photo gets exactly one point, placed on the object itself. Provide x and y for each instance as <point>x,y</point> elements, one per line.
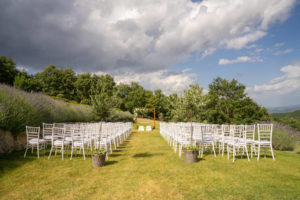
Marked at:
<point>19,108</point>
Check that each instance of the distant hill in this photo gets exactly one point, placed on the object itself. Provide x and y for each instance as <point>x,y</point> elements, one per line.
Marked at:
<point>295,115</point>
<point>284,109</point>
<point>289,118</point>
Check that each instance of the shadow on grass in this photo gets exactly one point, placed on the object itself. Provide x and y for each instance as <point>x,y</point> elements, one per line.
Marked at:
<point>110,162</point>
<point>11,161</point>
<point>146,155</point>
<point>115,155</point>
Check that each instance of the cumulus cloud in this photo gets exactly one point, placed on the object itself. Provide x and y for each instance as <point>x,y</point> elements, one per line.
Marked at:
<point>123,36</point>
<point>281,52</point>
<point>281,89</point>
<point>168,81</point>
<point>240,59</point>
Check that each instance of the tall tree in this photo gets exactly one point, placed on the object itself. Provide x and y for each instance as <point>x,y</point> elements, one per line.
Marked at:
<point>83,86</point>
<point>228,103</point>
<point>8,70</point>
<point>58,82</point>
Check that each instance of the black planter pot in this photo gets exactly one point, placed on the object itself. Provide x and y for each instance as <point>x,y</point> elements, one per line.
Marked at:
<point>98,160</point>
<point>190,156</point>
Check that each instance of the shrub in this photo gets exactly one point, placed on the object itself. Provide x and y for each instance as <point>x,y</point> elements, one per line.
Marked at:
<point>19,108</point>
<point>283,141</point>
<point>117,115</point>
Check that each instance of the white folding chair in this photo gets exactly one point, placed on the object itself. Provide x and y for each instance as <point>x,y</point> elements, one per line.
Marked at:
<point>148,128</point>
<point>207,139</point>
<point>238,142</point>
<point>59,142</point>
<point>264,141</point>
<point>47,132</point>
<point>141,128</point>
<point>78,142</point>
<point>34,141</point>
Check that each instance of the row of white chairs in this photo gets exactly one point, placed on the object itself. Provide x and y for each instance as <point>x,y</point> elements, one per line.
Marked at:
<point>142,128</point>
<point>84,137</point>
<point>233,138</point>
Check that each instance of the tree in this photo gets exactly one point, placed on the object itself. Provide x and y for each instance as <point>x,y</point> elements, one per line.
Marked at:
<point>83,86</point>
<point>190,106</point>
<point>58,82</point>
<point>136,97</point>
<point>228,103</point>
<point>158,101</point>
<point>101,101</point>
<point>8,70</point>
<point>27,82</point>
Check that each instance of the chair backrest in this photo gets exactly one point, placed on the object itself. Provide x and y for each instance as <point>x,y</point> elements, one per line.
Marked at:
<point>32,132</point>
<point>265,132</point>
<point>77,135</point>
<point>226,130</point>
<point>249,132</point>
<point>47,129</point>
<point>207,132</point>
<point>58,134</point>
<point>197,131</point>
<point>58,125</point>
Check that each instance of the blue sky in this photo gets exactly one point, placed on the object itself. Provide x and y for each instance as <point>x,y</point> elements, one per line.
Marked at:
<point>165,44</point>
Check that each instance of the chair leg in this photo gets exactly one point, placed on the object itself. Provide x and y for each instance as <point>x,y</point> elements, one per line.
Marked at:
<point>25,151</point>
<point>247,153</point>
<point>83,153</point>
<point>233,159</point>
<point>213,147</point>
<point>272,152</point>
<point>258,152</point>
<point>227,152</point>
<point>71,153</point>
<point>38,150</point>
<point>50,152</point>
<point>223,146</point>
<point>62,152</point>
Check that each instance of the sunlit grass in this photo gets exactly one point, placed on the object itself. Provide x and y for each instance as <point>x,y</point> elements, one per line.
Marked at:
<point>145,167</point>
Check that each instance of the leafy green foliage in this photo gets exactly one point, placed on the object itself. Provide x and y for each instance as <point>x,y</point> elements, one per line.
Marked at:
<point>292,118</point>
<point>228,103</point>
<point>58,81</point>
<point>99,151</point>
<point>189,106</point>
<point>8,70</point>
<point>191,148</point>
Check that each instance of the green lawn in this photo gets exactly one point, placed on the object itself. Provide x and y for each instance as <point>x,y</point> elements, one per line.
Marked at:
<point>145,167</point>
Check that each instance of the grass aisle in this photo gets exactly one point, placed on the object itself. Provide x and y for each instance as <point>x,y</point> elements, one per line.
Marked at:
<point>145,167</point>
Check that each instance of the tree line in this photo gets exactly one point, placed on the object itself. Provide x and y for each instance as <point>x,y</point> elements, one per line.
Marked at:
<point>225,102</point>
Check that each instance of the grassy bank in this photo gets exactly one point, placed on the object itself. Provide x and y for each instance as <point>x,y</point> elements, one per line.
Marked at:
<point>19,108</point>
<point>145,167</point>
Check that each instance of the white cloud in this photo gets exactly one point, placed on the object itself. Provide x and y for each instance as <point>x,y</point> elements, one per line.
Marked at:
<point>278,44</point>
<point>279,90</point>
<point>168,81</point>
<point>286,51</point>
<point>22,68</point>
<point>240,42</point>
<point>131,35</point>
<point>240,60</point>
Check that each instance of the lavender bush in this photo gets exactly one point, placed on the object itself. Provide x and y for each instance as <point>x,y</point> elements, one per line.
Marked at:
<point>19,108</point>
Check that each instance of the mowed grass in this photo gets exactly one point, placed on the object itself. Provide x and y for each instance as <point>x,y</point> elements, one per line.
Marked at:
<point>145,167</point>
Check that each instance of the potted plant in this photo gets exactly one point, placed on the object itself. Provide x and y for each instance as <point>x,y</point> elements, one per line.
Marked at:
<point>98,157</point>
<point>190,154</point>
